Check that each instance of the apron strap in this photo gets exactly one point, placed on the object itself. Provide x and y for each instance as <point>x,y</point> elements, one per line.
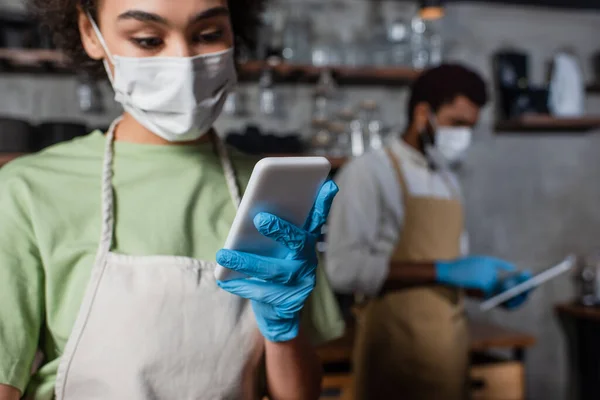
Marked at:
<point>228,170</point>
<point>399,174</point>
<point>402,180</point>
<point>108,219</point>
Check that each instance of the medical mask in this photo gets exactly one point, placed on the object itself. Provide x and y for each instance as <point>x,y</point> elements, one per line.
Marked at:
<point>176,98</point>
<point>450,143</point>
<point>453,142</point>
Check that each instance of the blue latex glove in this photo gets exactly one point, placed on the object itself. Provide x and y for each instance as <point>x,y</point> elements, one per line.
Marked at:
<point>510,282</point>
<point>278,287</point>
<point>480,273</point>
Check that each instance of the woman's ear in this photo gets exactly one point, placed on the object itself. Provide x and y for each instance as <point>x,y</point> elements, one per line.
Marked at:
<point>89,39</point>
<point>421,116</point>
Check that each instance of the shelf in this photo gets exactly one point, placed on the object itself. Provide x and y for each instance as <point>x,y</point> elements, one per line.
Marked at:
<point>396,76</point>
<point>33,60</point>
<point>578,311</point>
<point>28,60</point>
<point>8,157</point>
<point>547,123</point>
<point>593,88</point>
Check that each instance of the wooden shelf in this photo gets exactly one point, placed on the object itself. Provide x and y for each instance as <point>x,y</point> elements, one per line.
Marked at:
<point>547,123</point>
<point>251,71</point>
<point>34,60</point>
<point>8,157</point>
<point>579,311</point>
<point>484,337</point>
<point>593,88</point>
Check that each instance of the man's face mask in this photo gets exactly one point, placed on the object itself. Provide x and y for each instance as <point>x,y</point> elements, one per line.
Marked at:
<point>176,98</point>
<point>449,142</point>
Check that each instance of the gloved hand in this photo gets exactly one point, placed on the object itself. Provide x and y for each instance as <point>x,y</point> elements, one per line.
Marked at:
<point>480,273</point>
<point>510,282</point>
<point>278,287</point>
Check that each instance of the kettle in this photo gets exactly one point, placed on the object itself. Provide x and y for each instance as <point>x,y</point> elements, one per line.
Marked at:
<point>567,88</point>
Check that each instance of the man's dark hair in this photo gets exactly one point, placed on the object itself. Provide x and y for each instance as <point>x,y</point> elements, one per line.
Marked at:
<point>442,85</point>
<point>61,17</point>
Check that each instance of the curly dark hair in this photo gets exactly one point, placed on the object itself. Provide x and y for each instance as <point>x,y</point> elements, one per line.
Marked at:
<point>442,85</point>
<point>61,17</point>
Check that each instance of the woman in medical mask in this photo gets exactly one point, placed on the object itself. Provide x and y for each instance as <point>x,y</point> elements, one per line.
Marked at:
<point>108,243</point>
<point>397,236</point>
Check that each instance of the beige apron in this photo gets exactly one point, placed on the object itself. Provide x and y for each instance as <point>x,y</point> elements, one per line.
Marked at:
<point>412,343</point>
<point>158,327</point>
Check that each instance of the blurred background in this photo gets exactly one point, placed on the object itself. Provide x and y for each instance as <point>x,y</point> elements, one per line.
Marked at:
<point>332,77</point>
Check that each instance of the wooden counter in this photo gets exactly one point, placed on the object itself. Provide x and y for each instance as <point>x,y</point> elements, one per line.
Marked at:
<point>483,337</point>
<point>496,380</point>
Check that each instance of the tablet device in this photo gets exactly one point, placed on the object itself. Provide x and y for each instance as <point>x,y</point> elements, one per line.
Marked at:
<point>529,284</point>
<point>284,186</point>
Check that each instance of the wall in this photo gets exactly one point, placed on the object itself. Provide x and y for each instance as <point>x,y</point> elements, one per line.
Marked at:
<point>530,199</point>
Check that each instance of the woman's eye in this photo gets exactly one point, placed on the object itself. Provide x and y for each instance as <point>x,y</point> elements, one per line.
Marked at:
<point>148,43</point>
<point>208,37</point>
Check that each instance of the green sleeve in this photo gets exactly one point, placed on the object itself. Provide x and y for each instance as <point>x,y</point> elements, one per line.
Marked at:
<point>322,318</point>
<point>21,282</point>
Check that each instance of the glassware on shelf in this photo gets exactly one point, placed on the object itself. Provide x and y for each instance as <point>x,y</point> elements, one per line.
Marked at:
<point>89,95</point>
<point>236,105</point>
<point>270,102</point>
<point>270,35</point>
<point>322,140</point>
<point>436,49</point>
<point>379,45</point>
<point>426,43</point>
<point>326,96</point>
<point>372,122</point>
<point>357,138</point>
<point>418,44</point>
<point>341,140</point>
<point>398,33</point>
<point>326,51</point>
<point>353,48</point>
<point>297,35</point>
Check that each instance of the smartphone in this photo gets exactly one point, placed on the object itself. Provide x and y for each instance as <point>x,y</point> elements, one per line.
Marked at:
<point>283,186</point>
<point>548,274</point>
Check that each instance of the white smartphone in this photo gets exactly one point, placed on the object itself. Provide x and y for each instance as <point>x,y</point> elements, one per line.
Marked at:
<point>529,284</point>
<point>284,186</point>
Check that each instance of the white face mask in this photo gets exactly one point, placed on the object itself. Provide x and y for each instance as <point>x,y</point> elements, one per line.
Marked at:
<point>177,98</point>
<point>450,143</point>
<point>453,142</point>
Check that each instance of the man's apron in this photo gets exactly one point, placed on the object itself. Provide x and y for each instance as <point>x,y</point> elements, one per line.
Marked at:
<point>413,343</point>
<point>158,327</point>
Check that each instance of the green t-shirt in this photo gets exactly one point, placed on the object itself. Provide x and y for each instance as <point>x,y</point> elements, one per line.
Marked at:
<point>169,200</point>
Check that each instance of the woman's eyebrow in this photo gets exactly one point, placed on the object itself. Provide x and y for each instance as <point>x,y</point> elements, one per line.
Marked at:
<point>142,16</point>
<point>145,16</point>
<point>210,13</point>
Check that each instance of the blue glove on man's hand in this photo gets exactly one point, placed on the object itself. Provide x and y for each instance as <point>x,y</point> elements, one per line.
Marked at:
<point>479,273</point>
<point>278,287</point>
<point>511,282</point>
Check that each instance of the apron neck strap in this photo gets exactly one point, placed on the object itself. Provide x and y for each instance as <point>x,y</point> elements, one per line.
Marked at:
<point>108,218</point>
<point>399,174</point>
<point>402,180</point>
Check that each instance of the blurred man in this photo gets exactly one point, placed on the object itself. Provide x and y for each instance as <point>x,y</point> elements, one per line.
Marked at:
<point>397,236</point>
